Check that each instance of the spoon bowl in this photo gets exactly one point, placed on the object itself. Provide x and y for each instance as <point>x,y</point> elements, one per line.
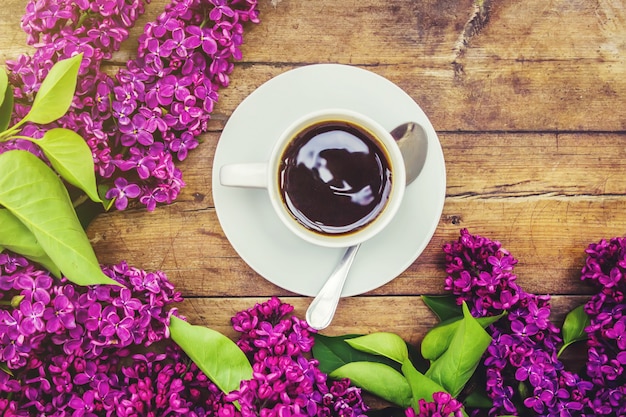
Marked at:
<point>413,143</point>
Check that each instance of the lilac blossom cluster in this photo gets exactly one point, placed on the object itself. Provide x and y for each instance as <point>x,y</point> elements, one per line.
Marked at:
<point>162,101</point>
<point>78,351</point>
<point>521,365</point>
<point>153,111</point>
<point>169,384</point>
<point>61,344</point>
<point>442,405</point>
<point>605,267</point>
<point>285,382</point>
<point>60,29</point>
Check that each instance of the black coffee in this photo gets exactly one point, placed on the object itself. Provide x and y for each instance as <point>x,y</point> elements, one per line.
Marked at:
<point>334,177</point>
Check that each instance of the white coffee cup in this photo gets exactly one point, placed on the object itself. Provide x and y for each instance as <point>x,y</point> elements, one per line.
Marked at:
<point>311,151</point>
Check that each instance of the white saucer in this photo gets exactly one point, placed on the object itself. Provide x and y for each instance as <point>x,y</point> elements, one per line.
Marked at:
<point>246,215</point>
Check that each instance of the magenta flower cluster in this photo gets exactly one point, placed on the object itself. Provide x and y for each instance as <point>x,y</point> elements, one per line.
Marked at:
<point>162,101</point>
<point>62,344</point>
<point>605,267</point>
<point>60,29</point>
<point>285,381</point>
<point>152,112</point>
<point>522,370</point>
<point>169,384</point>
<point>442,405</point>
<point>103,350</point>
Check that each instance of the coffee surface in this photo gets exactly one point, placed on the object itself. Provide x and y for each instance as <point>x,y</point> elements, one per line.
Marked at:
<point>334,177</point>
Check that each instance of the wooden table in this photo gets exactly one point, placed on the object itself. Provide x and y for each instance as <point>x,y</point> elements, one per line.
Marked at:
<point>529,101</point>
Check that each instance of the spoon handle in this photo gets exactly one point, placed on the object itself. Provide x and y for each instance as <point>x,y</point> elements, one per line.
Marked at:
<point>321,311</point>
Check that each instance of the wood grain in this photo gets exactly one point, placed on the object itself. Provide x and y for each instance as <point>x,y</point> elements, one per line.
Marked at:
<point>533,66</point>
<point>547,236</point>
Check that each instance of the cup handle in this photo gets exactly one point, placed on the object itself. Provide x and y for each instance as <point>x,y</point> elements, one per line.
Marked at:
<point>250,175</point>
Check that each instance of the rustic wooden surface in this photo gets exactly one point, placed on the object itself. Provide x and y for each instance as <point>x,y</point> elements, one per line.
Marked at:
<point>528,98</point>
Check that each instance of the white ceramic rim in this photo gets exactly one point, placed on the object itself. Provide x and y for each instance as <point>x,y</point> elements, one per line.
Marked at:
<point>397,187</point>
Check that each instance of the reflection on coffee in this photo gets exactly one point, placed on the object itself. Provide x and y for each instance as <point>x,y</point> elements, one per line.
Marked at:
<point>334,177</point>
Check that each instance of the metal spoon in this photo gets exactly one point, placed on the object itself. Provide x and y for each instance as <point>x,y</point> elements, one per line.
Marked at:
<point>413,143</point>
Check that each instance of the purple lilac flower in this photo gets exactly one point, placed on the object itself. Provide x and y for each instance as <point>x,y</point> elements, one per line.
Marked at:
<point>285,381</point>
<point>175,91</point>
<point>154,108</point>
<point>167,384</point>
<point>523,352</point>
<point>31,317</point>
<point>442,405</point>
<point>605,267</point>
<point>122,192</point>
<point>64,349</point>
<point>89,367</point>
<point>59,29</point>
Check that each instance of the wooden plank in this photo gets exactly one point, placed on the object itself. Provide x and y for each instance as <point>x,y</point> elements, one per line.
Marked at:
<point>517,165</point>
<point>547,235</point>
<point>427,32</point>
<point>560,66</point>
<point>406,316</point>
<point>533,66</point>
<point>492,95</point>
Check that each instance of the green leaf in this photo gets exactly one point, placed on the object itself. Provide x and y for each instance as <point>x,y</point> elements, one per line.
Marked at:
<point>378,379</point>
<point>56,92</point>
<point>438,339</point>
<point>71,157</point>
<point>333,352</point>
<point>384,344</point>
<point>32,192</point>
<point>574,327</point>
<point>4,84</point>
<point>444,306</point>
<point>215,354</point>
<point>422,387</point>
<point>4,368</point>
<point>16,237</point>
<point>457,364</point>
<point>102,191</point>
<point>6,109</point>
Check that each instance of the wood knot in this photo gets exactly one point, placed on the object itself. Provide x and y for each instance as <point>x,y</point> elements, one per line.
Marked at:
<point>452,219</point>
